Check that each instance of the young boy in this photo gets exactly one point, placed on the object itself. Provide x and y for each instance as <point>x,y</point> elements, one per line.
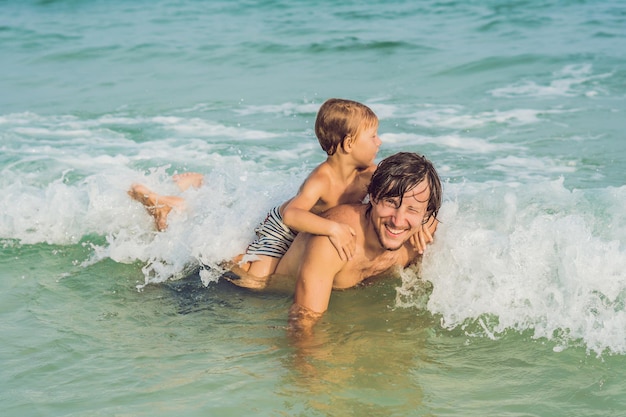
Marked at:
<point>348,132</point>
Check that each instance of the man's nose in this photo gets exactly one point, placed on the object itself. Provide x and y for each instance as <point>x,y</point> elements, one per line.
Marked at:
<point>399,217</point>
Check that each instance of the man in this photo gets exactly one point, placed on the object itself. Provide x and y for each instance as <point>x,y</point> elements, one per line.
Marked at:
<point>404,198</point>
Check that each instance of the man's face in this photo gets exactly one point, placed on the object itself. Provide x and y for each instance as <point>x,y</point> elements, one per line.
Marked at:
<point>395,223</point>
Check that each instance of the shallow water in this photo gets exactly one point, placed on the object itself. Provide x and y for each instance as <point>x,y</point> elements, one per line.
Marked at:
<point>519,305</point>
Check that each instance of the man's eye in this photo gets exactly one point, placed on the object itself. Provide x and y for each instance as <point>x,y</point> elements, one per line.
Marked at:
<point>391,202</point>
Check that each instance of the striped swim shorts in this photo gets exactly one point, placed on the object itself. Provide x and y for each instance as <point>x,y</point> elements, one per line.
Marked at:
<point>273,236</point>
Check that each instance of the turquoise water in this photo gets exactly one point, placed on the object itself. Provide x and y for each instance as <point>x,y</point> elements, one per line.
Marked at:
<point>519,306</point>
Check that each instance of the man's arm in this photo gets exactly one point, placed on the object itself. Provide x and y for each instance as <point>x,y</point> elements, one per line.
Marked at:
<point>314,285</point>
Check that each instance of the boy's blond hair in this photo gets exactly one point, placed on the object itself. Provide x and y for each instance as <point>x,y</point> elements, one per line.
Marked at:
<point>338,119</point>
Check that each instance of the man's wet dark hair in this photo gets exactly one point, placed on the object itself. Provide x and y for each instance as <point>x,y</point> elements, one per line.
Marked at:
<point>400,173</point>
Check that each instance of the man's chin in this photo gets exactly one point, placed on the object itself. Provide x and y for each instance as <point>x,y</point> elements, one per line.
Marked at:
<point>392,248</point>
<point>393,245</point>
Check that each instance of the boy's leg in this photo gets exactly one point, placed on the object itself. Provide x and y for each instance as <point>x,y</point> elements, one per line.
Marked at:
<point>188,179</point>
<point>157,205</point>
<point>263,267</point>
<point>254,275</point>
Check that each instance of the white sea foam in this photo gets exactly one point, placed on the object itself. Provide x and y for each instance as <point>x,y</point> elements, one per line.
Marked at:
<point>515,253</point>
<point>95,145</point>
<point>508,256</point>
<point>216,225</point>
<point>201,128</point>
<point>572,80</point>
<point>286,109</point>
<point>383,110</point>
<point>453,142</point>
<point>526,167</point>
<point>457,117</point>
<point>530,258</point>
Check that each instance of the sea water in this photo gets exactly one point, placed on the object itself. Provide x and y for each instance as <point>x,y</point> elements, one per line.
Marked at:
<point>518,307</point>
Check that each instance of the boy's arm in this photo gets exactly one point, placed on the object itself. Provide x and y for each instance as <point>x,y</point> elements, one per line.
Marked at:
<point>298,216</point>
<point>314,285</point>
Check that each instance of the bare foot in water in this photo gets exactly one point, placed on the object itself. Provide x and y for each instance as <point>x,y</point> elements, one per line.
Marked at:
<point>159,206</point>
<point>188,179</point>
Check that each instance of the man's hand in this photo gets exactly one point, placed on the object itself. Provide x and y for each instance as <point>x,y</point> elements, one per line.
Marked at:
<point>343,238</point>
<point>424,236</point>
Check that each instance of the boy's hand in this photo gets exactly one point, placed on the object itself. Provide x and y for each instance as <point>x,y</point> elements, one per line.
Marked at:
<point>343,239</point>
<point>420,239</point>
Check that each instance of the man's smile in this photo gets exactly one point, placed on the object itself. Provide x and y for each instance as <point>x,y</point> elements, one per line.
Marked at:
<point>394,231</point>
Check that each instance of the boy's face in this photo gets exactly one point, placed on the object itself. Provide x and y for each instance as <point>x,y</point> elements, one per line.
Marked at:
<point>395,222</point>
<point>366,145</point>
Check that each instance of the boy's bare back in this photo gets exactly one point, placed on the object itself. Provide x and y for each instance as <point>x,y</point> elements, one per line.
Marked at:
<point>332,190</point>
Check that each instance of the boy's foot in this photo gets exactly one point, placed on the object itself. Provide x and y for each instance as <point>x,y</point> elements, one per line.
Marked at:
<point>157,205</point>
<point>188,179</point>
